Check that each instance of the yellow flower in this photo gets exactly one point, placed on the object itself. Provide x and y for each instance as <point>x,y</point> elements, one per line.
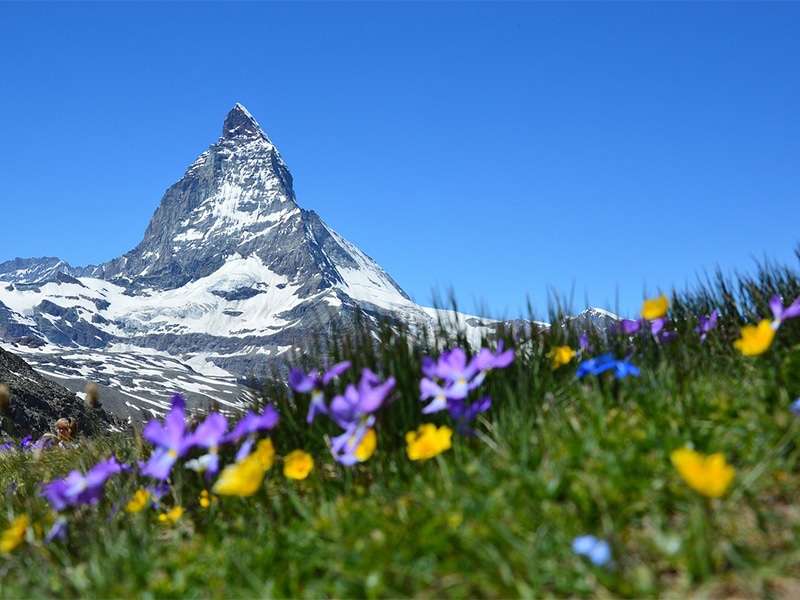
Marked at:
<point>171,517</point>
<point>14,535</point>
<point>297,464</point>
<point>245,477</point>
<point>206,499</point>
<point>756,339</point>
<point>367,446</point>
<point>428,441</point>
<point>138,502</point>
<point>708,475</point>
<point>265,453</point>
<point>560,356</point>
<point>655,308</point>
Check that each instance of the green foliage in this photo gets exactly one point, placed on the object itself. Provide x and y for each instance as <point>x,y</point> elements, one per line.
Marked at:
<point>554,458</point>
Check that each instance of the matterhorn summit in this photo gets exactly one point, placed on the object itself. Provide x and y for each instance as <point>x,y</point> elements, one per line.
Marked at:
<point>231,274</point>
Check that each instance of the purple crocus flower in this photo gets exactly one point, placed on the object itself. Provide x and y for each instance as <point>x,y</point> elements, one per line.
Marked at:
<point>606,362</point>
<point>354,411</point>
<point>170,440</point>
<point>707,324</point>
<point>315,383</point>
<point>780,313</point>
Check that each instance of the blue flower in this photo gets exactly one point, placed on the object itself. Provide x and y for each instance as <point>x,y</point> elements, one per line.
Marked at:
<point>597,551</point>
<point>795,407</point>
<point>606,362</point>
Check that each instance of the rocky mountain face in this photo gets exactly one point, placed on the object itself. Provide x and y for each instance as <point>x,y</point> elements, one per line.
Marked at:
<point>230,278</point>
<point>35,403</point>
<point>231,275</point>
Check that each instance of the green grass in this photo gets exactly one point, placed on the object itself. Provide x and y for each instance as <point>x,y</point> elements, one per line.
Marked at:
<point>495,516</point>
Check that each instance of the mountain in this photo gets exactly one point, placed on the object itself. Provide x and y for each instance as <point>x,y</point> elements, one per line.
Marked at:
<point>230,276</point>
<point>35,403</point>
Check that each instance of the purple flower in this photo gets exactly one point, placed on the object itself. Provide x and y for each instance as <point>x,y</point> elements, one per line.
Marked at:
<point>315,384</point>
<point>658,331</point>
<point>77,488</point>
<point>464,413</point>
<point>450,379</point>
<point>170,440</point>
<point>605,362</point>
<point>707,324</point>
<point>58,531</point>
<point>629,327</point>
<point>209,434</point>
<point>780,313</point>
<point>251,424</point>
<point>596,550</point>
<point>485,360</point>
<point>583,343</point>
<point>354,411</point>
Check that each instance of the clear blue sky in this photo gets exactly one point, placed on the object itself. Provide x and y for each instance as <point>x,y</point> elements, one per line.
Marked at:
<point>504,151</point>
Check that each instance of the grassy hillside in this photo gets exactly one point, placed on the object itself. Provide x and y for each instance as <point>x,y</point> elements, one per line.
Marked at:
<point>658,460</point>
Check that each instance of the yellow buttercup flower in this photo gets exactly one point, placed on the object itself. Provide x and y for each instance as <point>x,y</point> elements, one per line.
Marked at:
<point>138,502</point>
<point>708,475</point>
<point>655,308</point>
<point>265,453</point>
<point>560,356</point>
<point>171,517</point>
<point>206,499</point>
<point>245,477</point>
<point>428,441</point>
<point>14,535</point>
<point>367,446</point>
<point>756,339</point>
<point>297,464</point>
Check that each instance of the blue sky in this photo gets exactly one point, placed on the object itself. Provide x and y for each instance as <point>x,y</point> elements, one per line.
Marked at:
<point>507,152</point>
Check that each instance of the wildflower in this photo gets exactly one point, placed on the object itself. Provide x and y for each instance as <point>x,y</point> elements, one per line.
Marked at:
<point>596,550</point>
<point>605,362</point>
<point>464,413</point>
<point>367,446</point>
<point>315,384</point>
<point>780,313</point>
<point>297,464</point>
<point>794,407</point>
<point>708,475</point>
<point>171,517</point>
<point>209,434</point>
<point>354,445</point>
<point>630,327</point>
<point>584,344</point>
<point>169,439</point>
<point>76,488</point>
<point>485,361</point>
<point>756,339</point>
<point>14,535</point>
<point>206,499</point>
<point>560,356</point>
<point>354,411</point>
<point>138,502</point>
<point>452,377</point>
<point>244,477</point>
<point>707,324</point>
<point>428,441</point>
<point>655,308</point>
